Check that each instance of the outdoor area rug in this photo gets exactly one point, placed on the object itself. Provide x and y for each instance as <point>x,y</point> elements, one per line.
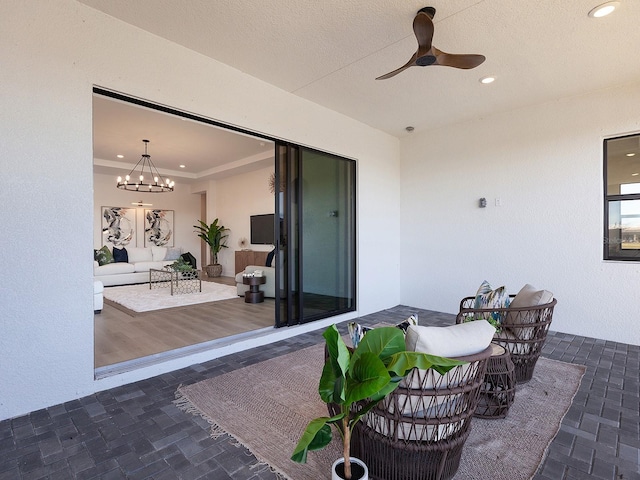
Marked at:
<point>266,406</point>
<point>140,298</point>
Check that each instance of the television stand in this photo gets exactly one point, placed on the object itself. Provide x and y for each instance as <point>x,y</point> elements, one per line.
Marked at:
<point>249,257</point>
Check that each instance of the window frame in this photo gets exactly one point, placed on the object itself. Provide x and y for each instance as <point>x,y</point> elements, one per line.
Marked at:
<point>609,199</point>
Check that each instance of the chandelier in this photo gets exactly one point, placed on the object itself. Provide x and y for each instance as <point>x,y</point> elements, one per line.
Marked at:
<point>158,185</point>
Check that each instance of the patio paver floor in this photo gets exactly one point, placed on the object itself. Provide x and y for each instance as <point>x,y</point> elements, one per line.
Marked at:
<point>135,432</point>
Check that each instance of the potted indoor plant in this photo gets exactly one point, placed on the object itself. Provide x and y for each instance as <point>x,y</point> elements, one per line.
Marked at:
<point>184,268</point>
<point>355,381</point>
<point>214,236</point>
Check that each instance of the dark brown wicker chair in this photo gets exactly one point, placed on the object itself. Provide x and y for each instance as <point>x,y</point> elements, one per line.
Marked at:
<point>523,331</point>
<point>418,431</point>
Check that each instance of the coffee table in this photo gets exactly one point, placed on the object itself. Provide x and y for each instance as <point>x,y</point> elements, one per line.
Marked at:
<point>177,282</point>
<point>254,295</point>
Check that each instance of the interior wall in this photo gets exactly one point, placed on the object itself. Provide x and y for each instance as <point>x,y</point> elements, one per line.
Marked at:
<point>237,198</point>
<point>543,165</point>
<point>52,55</point>
<point>185,206</point>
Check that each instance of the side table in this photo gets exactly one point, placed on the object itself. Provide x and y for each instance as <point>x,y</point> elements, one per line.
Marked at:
<point>499,388</point>
<point>254,295</point>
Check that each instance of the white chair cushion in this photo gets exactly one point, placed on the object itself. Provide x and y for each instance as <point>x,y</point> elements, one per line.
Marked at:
<point>513,346</point>
<point>416,433</point>
<point>453,341</point>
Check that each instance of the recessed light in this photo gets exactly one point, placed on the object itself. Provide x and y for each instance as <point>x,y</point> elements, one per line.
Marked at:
<point>183,166</point>
<point>487,80</point>
<point>631,154</point>
<point>604,9</point>
<point>120,156</point>
<point>635,174</point>
<point>409,129</point>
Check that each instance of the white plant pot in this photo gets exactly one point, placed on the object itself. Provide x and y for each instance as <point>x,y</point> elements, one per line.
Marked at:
<point>335,476</point>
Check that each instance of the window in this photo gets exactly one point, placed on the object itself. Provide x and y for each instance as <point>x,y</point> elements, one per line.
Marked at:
<point>622,198</point>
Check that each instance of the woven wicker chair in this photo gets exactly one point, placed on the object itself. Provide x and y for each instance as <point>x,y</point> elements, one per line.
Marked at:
<point>522,333</point>
<point>418,431</point>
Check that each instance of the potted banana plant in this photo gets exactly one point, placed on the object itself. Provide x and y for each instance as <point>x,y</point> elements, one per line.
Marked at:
<point>214,236</point>
<point>355,381</point>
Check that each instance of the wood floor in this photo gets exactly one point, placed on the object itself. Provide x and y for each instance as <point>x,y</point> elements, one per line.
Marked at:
<point>121,334</point>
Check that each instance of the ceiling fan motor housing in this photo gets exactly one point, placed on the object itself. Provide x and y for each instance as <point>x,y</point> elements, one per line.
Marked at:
<point>429,11</point>
<point>425,60</point>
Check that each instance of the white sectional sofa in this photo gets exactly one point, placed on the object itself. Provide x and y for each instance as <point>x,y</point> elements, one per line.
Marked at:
<point>136,270</point>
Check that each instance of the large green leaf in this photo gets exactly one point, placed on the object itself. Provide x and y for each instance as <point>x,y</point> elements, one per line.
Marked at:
<point>402,362</point>
<point>317,435</point>
<point>332,382</point>
<point>337,349</point>
<point>367,376</point>
<point>382,342</point>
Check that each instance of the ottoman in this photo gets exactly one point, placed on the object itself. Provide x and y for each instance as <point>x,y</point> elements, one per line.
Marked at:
<point>98,301</point>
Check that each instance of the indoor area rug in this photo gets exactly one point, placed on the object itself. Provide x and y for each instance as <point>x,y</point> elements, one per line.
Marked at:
<point>140,298</point>
<point>266,407</point>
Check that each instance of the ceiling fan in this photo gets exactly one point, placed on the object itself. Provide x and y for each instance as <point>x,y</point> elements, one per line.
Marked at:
<point>427,54</point>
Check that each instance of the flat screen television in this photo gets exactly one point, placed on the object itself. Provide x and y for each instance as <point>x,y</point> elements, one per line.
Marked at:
<point>262,232</point>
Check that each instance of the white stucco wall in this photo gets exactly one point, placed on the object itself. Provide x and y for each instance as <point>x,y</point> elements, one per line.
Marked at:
<point>237,198</point>
<point>545,165</point>
<point>52,54</point>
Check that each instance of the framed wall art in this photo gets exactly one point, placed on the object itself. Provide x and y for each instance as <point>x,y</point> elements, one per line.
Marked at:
<point>118,226</point>
<point>158,228</point>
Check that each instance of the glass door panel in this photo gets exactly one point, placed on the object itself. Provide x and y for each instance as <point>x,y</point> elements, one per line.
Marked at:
<point>327,234</point>
<point>316,246</point>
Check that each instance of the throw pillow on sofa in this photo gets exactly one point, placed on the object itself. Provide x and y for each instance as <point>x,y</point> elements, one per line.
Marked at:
<point>120,255</point>
<point>190,259</point>
<point>103,256</point>
<point>158,254</point>
<point>173,253</point>
<point>270,257</point>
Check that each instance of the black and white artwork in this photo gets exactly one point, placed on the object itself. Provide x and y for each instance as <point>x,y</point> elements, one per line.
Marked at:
<point>158,228</point>
<point>118,226</point>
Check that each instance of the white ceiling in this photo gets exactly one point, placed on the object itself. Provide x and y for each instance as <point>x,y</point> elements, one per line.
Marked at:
<point>331,51</point>
<point>206,151</point>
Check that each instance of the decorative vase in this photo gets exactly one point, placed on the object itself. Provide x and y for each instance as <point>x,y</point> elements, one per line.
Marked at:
<point>359,470</point>
<point>213,270</point>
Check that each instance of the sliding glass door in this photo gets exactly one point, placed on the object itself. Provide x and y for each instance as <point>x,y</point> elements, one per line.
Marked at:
<point>316,235</point>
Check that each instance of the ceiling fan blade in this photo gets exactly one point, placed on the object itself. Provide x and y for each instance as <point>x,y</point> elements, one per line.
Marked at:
<point>410,63</point>
<point>465,61</point>
<point>423,29</point>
